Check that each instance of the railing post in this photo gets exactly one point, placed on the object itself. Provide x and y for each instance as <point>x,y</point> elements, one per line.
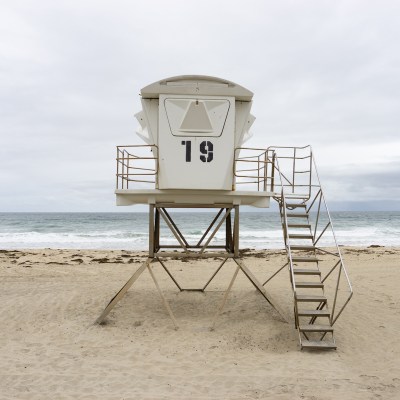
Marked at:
<point>294,169</point>
<point>273,172</point>
<point>265,170</point>
<point>117,175</point>
<point>123,169</point>
<point>127,172</point>
<point>310,176</point>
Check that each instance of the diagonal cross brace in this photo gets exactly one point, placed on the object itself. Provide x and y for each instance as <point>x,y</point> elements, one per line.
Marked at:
<point>173,230</point>
<point>120,294</point>
<point>216,230</point>
<point>260,288</point>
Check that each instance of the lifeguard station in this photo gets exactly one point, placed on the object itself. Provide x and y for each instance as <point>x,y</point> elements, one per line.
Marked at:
<point>194,128</point>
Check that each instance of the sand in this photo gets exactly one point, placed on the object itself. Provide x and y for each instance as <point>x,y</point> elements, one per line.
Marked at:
<point>50,348</point>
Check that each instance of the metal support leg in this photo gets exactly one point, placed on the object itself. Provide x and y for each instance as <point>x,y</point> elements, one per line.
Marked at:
<point>122,292</point>
<point>151,231</point>
<point>236,232</point>
<point>228,234</point>
<point>157,231</point>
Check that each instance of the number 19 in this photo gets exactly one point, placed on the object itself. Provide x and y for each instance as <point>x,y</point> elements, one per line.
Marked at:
<point>206,150</point>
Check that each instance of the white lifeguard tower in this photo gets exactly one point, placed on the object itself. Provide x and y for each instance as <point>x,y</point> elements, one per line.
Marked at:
<point>195,128</point>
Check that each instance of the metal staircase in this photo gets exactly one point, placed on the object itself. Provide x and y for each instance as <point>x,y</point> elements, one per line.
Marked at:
<point>319,280</point>
<point>311,311</point>
<point>320,284</point>
<point>306,224</point>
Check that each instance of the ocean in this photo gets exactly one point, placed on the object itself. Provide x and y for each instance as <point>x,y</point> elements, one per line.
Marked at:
<point>129,231</point>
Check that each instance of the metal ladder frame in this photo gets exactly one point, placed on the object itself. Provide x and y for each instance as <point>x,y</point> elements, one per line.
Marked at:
<point>287,189</point>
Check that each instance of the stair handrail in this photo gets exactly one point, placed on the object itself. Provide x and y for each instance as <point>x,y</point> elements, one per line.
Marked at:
<point>286,234</point>
<point>339,254</point>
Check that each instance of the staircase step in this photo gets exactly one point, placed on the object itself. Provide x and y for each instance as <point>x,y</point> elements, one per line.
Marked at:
<point>296,196</point>
<point>305,226</point>
<point>310,298</point>
<point>301,247</point>
<point>318,344</point>
<point>300,236</point>
<point>315,328</point>
<point>295,205</point>
<point>297,215</point>
<point>305,259</point>
<point>313,313</point>
<point>301,271</point>
<point>313,285</point>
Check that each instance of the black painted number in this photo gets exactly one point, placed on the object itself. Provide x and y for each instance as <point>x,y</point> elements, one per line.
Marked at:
<point>206,150</point>
<point>188,146</point>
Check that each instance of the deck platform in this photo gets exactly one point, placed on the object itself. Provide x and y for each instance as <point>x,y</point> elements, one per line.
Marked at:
<point>127,197</point>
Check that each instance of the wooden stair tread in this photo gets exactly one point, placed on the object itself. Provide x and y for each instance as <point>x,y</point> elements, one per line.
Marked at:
<point>300,236</point>
<point>313,313</point>
<point>310,298</point>
<point>297,215</point>
<point>318,344</point>
<point>303,271</point>
<point>305,259</point>
<point>299,225</point>
<point>315,328</point>
<point>298,196</point>
<point>309,285</point>
<point>301,247</point>
<point>296,205</point>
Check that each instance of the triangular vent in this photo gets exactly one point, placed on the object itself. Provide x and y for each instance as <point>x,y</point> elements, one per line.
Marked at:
<point>196,118</point>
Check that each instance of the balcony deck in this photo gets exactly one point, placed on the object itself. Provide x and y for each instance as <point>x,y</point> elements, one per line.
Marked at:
<point>127,197</point>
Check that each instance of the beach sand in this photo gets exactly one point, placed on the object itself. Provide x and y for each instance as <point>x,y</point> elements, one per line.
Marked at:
<point>50,348</point>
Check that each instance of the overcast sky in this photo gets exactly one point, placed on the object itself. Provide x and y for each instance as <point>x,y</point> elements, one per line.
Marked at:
<point>325,73</point>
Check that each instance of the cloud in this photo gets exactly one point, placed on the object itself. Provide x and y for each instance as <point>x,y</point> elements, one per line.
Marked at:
<point>323,73</point>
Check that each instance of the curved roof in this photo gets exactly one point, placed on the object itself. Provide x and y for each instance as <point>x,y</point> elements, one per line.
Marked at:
<point>196,84</point>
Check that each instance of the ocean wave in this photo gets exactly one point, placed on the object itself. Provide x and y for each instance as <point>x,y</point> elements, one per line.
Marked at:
<point>111,231</point>
<point>70,240</point>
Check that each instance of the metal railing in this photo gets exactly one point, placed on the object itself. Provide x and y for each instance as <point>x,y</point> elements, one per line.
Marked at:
<point>325,229</point>
<point>141,168</point>
<point>296,168</point>
<point>254,167</point>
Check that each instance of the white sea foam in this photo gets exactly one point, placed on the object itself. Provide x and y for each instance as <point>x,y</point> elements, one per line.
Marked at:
<point>130,231</point>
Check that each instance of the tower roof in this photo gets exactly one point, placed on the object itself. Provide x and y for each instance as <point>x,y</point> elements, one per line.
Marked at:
<point>196,84</point>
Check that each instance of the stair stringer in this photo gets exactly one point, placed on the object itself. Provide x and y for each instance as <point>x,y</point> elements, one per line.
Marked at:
<point>311,334</point>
